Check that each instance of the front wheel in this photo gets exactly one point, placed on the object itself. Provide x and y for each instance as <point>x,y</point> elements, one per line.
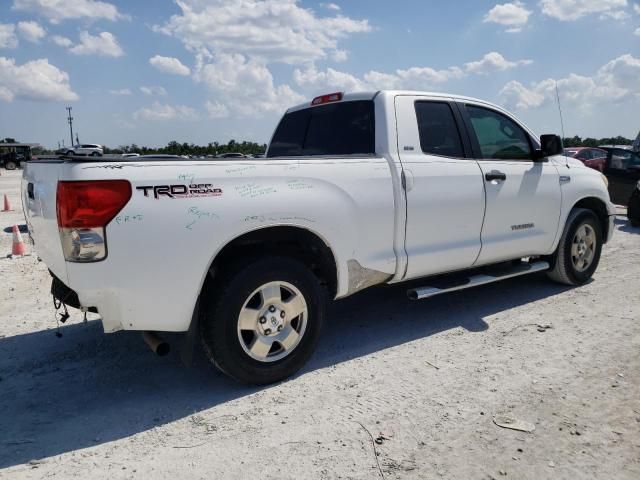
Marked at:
<point>10,165</point>
<point>96,154</point>
<point>260,323</point>
<point>578,253</point>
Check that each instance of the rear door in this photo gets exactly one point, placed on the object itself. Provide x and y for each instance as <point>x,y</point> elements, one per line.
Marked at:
<point>523,197</point>
<point>444,187</point>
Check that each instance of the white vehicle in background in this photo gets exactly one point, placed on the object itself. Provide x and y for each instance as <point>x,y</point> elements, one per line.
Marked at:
<point>130,155</point>
<point>90,149</point>
<point>355,191</point>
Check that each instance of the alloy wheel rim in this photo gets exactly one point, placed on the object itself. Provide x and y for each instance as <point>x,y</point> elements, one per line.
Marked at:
<point>272,321</point>
<point>583,247</point>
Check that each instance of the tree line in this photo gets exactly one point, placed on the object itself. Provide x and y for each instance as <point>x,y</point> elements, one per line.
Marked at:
<point>253,148</point>
<point>175,148</point>
<point>593,142</point>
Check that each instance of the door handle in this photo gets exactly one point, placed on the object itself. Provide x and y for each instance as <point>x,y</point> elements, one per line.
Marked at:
<point>495,175</point>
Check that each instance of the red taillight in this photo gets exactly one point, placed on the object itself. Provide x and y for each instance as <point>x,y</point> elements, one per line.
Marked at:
<point>330,97</point>
<point>89,204</point>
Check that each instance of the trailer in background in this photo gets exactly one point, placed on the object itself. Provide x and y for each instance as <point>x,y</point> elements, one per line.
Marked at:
<point>12,155</point>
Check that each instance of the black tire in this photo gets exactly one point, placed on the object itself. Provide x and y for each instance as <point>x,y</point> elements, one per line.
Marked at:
<point>223,300</point>
<point>70,153</point>
<point>10,165</point>
<point>95,154</point>
<point>564,270</point>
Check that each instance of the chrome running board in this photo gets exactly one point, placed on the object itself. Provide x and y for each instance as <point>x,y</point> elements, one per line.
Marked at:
<point>475,280</point>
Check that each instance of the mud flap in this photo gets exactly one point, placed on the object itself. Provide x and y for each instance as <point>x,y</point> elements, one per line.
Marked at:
<point>189,340</point>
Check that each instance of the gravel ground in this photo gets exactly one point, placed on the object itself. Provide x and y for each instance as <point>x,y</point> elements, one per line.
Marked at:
<point>397,389</point>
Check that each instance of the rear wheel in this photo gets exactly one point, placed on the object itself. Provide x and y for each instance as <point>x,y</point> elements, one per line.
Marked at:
<point>10,165</point>
<point>70,153</point>
<point>261,322</point>
<point>578,253</point>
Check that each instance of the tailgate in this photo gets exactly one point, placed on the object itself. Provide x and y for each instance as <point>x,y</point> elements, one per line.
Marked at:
<point>39,184</point>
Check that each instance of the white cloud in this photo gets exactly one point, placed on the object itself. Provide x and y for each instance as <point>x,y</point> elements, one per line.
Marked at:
<point>636,8</point>
<point>340,56</point>
<point>104,44</point>
<point>493,61</point>
<point>8,37</point>
<point>616,81</point>
<point>61,41</point>
<point>58,10</point>
<point>169,65</point>
<point>637,32</point>
<point>418,78</point>
<point>269,30</point>
<point>121,92</point>
<point>569,10</point>
<point>31,31</point>
<point>331,6</point>
<point>34,80</point>
<point>216,109</point>
<point>153,90</point>
<point>322,81</point>
<point>512,15</point>
<point>246,85</point>
<point>163,112</point>
<point>517,95</point>
<point>615,15</point>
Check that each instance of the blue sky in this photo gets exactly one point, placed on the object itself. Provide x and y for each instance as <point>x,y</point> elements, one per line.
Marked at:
<point>211,70</point>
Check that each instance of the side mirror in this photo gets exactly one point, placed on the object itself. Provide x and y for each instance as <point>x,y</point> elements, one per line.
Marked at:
<point>549,145</point>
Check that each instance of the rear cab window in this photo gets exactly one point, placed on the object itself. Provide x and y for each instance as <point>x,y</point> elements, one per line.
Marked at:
<point>439,134</point>
<point>344,128</point>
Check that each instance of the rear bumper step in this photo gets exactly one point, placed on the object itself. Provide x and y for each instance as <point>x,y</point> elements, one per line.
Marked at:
<point>475,280</point>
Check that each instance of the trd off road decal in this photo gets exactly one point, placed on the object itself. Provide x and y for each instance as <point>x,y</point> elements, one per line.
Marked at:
<point>181,191</point>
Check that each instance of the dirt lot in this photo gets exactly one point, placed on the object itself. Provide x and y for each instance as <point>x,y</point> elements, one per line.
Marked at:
<point>425,379</point>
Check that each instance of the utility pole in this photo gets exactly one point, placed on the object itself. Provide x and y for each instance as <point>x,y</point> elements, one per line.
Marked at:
<point>70,120</point>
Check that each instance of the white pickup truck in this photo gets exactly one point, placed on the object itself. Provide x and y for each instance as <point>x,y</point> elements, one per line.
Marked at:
<point>355,190</point>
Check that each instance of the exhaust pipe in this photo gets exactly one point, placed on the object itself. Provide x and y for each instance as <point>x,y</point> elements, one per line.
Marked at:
<point>156,344</point>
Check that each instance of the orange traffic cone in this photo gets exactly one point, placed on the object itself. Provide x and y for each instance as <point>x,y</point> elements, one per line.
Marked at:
<point>18,248</point>
<point>7,205</point>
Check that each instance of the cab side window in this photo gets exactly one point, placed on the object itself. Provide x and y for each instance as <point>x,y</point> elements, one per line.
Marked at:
<point>499,137</point>
<point>438,130</point>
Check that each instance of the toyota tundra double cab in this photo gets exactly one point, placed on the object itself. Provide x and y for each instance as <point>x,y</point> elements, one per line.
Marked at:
<point>355,190</point>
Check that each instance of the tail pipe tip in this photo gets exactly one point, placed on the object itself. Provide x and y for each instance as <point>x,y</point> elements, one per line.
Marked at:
<point>157,345</point>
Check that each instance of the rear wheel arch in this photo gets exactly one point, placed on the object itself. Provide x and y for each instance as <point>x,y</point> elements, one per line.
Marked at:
<point>296,242</point>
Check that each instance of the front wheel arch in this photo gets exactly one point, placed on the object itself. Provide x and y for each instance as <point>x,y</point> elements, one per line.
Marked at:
<point>599,208</point>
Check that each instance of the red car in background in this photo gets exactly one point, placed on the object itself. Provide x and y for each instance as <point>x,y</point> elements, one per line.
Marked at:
<point>595,158</point>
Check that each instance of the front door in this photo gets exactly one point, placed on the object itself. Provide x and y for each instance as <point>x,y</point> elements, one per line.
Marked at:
<point>523,197</point>
<point>444,187</point>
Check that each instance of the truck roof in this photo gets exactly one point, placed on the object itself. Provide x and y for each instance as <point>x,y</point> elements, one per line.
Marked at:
<point>349,97</point>
<point>370,95</point>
